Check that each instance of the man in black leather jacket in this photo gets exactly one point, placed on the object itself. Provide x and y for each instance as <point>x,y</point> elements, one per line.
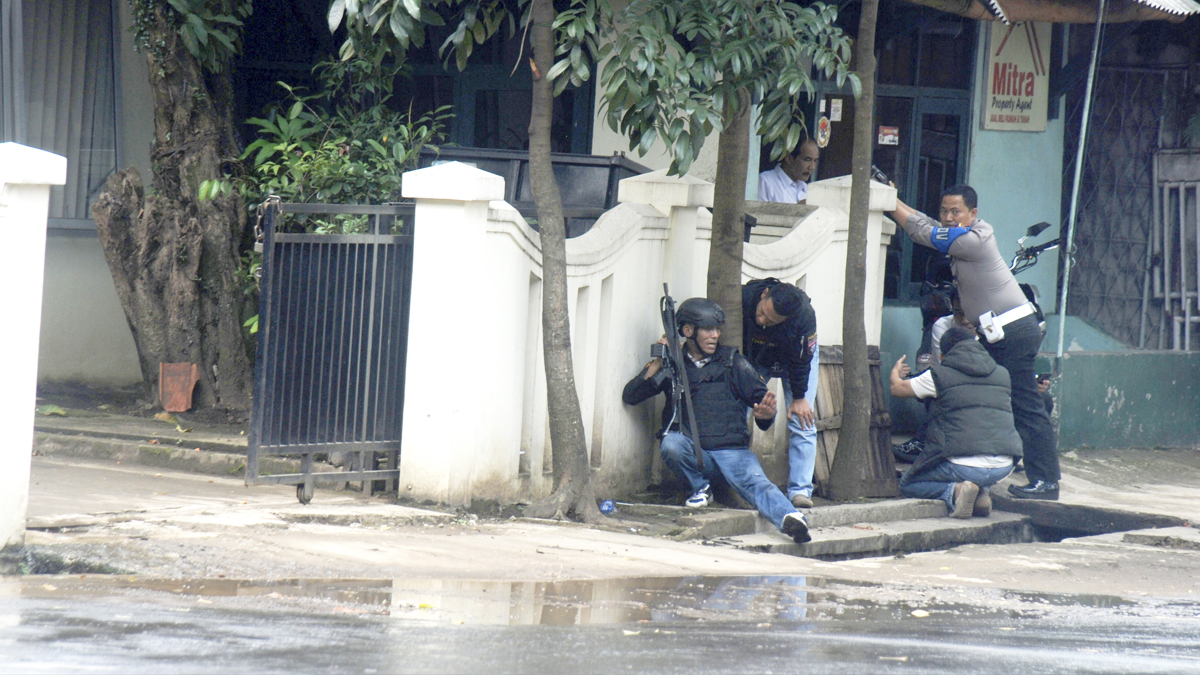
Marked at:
<point>779,337</point>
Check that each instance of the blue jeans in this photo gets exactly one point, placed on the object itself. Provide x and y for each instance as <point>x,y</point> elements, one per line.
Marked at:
<point>802,443</point>
<point>738,466</point>
<point>937,481</point>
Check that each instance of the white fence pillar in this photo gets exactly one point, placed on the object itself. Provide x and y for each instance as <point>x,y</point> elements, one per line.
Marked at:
<point>448,388</point>
<point>26,175</point>
<point>834,195</point>
<point>679,198</point>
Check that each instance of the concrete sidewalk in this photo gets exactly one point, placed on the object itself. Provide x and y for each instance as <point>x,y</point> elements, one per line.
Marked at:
<point>151,497</point>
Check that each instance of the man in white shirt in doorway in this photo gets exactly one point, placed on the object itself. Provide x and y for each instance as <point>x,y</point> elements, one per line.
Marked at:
<point>787,183</point>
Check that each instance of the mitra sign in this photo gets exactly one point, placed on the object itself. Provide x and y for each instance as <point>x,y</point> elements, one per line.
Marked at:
<point>1018,77</point>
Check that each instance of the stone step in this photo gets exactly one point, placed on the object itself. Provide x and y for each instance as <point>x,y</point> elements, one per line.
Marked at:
<point>868,539</point>
<point>716,522</point>
<point>884,511</point>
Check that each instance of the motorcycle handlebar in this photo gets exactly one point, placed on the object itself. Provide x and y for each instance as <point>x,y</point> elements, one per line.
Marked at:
<point>1027,257</point>
<point>1042,248</point>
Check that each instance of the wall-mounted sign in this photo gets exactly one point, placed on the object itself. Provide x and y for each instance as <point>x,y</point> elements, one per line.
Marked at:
<point>835,110</point>
<point>1018,77</point>
<point>889,135</point>
<point>823,127</point>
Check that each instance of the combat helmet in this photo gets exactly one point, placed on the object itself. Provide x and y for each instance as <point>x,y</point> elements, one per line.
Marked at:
<point>700,312</point>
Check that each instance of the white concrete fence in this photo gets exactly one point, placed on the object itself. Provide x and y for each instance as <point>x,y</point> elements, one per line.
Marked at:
<point>26,175</point>
<point>475,421</point>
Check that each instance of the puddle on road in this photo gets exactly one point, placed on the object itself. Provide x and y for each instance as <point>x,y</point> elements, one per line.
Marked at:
<point>762,599</point>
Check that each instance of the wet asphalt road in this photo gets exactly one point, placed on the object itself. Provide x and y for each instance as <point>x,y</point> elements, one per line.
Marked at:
<point>97,624</point>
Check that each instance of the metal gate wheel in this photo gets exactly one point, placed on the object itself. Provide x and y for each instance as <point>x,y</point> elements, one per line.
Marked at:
<point>304,492</point>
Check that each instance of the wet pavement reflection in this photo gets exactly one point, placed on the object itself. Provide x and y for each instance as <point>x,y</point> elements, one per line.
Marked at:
<point>103,623</point>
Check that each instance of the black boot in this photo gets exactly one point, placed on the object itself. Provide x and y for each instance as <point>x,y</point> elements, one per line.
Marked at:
<point>1038,489</point>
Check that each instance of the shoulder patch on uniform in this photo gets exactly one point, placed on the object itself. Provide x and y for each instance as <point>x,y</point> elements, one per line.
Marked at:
<point>942,237</point>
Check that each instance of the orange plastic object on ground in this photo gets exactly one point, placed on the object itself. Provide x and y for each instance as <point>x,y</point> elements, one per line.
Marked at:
<point>175,384</point>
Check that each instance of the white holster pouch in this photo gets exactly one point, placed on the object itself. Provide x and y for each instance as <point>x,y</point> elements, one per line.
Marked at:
<point>991,326</point>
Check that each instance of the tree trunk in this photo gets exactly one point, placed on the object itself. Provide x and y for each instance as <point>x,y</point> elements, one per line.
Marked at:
<point>728,231</point>
<point>572,471</point>
<point>849,476</point>
<point>173,258</point>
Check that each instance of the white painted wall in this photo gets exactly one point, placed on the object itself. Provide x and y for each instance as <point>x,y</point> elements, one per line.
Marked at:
<point>478,264</point>
<point>26,175</point>
<point>85,336</point>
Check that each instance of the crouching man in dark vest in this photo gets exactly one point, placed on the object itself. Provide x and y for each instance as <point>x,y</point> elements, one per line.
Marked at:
<point>723,387</point>
<point>970,442</point>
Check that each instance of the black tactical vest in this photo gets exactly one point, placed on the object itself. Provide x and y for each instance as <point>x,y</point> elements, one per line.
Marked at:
<point>719,414</point>
<point>972,414</point>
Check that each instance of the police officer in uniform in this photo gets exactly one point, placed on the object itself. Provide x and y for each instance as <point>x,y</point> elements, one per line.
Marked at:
<point>723,387</point>
<point>1004,318</point>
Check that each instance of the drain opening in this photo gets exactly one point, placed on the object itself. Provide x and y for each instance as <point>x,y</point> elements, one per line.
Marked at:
<point>1055,521</point>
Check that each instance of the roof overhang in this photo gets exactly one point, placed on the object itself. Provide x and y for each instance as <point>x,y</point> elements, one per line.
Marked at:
<point>1066,11</point>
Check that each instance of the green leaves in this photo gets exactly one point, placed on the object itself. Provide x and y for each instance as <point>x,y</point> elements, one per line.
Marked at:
<point>342,144</point>
<point>209,29</point>
<point>213,188</point>
<point>689,63</point>
<point>337,10</point>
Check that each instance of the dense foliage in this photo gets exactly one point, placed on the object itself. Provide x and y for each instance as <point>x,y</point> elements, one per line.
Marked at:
<point>342,144</point>
<point>683,68</point>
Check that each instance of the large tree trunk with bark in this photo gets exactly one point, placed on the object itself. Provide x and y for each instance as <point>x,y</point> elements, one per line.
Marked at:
<point>850,475</point>
<point>172,257</point>
<point>573,493</point>
<point>728,230</point>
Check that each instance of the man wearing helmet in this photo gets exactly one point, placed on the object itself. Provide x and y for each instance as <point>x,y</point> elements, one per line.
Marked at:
<point>779,337</point>
<point>723,386</point>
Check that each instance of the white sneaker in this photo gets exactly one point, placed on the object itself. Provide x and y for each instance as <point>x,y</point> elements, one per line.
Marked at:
<point>701,499</point>
<point>795,525</point>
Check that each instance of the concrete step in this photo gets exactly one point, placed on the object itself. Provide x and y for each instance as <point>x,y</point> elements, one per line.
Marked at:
<point>884,511</point>
<point>716,521</point>
<point>840,531</point>
<point>153,452</point>
<point>879,538</point>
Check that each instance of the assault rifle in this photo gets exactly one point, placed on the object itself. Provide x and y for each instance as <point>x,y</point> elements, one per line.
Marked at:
<point>673,365</point>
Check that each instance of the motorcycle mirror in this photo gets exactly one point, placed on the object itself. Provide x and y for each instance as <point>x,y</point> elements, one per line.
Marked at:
<point>1035,230</point>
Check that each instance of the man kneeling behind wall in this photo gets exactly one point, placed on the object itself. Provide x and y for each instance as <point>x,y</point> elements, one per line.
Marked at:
<point>971,442</point>
<point>723,386</point>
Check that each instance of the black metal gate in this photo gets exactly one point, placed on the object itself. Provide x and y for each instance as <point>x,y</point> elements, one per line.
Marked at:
<point>332,342</point>
<point>1135,111</point>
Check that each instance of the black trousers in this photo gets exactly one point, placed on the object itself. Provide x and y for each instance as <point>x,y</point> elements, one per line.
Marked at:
<point>1017,352</point>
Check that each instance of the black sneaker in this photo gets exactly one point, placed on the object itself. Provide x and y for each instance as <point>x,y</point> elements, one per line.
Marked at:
<point>1038,489</point>
<point>795,525</point>
<point>908,451</point>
